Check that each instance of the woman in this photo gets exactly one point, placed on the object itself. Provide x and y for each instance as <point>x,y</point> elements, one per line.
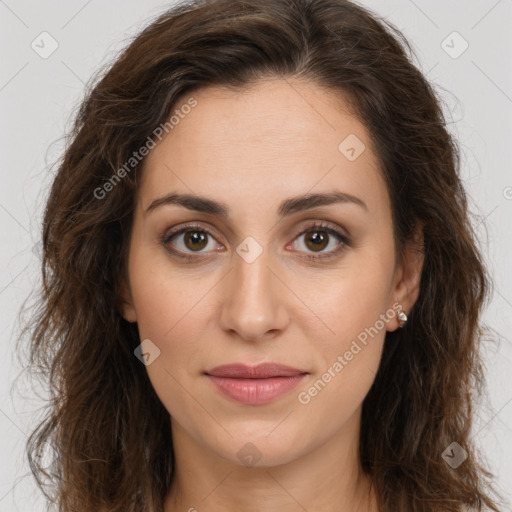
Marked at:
<point>261,287</point>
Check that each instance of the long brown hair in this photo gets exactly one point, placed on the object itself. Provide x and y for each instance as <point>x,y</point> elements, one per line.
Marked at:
<point>109,434</point>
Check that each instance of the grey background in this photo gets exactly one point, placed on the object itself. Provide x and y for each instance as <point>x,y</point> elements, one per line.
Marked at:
<point>38,97</point>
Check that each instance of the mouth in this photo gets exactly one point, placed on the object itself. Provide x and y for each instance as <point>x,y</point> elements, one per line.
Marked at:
<point>253,385</point>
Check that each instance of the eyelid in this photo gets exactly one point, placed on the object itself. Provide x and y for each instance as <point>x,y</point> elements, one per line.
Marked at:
<point>168,234</point>
<point>330,228</point>
<point>180,229</point>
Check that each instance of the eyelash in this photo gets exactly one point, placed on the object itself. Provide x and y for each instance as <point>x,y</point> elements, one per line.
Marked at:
<point>317,226</point>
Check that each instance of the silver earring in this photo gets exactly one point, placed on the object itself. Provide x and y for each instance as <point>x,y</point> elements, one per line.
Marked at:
<point>402,318</point>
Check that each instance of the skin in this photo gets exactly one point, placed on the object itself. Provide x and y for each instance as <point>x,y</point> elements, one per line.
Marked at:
<point>250,150</point>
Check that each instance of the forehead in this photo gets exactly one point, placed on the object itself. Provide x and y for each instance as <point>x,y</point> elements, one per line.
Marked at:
<point>274,139</point>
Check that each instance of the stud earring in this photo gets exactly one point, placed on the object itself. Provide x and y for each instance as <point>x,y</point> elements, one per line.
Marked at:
<point>402,318</point>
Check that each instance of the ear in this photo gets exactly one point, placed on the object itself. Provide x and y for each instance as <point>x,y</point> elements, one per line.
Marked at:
<point>125,301</point>
<point>406,283</point>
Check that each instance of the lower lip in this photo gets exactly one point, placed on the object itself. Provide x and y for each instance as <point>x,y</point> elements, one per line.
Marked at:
<point>255,391</point>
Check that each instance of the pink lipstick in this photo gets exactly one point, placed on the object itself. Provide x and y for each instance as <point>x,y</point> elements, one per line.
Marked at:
<point>255,385</point>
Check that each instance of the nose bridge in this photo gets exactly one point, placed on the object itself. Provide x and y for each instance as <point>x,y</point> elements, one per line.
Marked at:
<point>253,303</point>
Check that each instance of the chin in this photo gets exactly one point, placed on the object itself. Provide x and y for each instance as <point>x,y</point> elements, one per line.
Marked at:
<point>258,449</point>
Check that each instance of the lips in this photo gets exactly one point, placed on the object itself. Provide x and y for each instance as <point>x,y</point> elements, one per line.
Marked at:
<point>261,371</point>
<point>253,385</point>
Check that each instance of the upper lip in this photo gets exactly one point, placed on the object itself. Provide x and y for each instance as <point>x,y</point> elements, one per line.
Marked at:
<point>260,371</point>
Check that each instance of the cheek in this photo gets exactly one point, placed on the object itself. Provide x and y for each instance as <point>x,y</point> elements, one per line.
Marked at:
<point>348,356</point>
<point>173,315</point>
<point>171,307</point>
<point>356,299</point>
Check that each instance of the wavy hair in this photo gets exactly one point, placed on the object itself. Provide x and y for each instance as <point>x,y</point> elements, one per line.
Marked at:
<point>106,455</point>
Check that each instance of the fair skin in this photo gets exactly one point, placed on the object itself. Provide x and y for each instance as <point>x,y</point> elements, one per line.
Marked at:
<point>251,150</point>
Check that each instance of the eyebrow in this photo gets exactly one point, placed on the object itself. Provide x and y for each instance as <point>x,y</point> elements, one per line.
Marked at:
<point>287,207</point>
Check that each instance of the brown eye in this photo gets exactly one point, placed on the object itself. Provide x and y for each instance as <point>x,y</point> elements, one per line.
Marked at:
<point>195,240</point>
<point>317,240</point>
<point>188,240</point>
<point>320,241</point>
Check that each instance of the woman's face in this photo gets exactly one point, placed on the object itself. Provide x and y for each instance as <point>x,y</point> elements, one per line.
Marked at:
<point>240,286</point>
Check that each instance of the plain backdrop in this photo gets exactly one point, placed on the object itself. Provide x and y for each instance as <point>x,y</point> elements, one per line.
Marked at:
<point>463,46</point>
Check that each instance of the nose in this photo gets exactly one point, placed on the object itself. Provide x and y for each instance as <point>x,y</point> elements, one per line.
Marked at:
<point>254,300</point>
